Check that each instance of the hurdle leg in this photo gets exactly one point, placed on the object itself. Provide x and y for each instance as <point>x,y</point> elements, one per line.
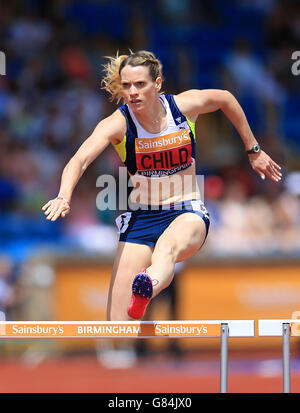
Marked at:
<point>286,358</point>
<point>224,358</point>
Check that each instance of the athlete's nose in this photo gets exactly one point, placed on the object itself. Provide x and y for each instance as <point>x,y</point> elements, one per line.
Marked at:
<point>133,90</point>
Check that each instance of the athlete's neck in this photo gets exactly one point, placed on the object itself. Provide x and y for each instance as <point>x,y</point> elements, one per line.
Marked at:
<point>153,119</point>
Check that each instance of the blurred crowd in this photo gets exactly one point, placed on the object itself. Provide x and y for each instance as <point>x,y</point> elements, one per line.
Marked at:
<point>51,100</point>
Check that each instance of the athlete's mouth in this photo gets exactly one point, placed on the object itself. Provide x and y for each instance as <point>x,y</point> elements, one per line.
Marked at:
<point>135,101</point>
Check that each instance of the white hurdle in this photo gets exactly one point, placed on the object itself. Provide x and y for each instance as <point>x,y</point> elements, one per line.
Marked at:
<point>135,329</point>
<point>284,328</point>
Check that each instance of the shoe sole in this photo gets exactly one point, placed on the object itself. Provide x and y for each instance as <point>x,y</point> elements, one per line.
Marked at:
<point>142,286</point>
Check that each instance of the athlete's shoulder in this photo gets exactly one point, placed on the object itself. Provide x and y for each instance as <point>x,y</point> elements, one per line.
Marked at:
<point>172,103</point>
<point>187,96</point>
<point>200,97</point>
<point>114,126</point>
<point>123,109</point>
<point>125,113</point>
<point>194,102</point>
<point>116,118</point>
<point>187,103</point>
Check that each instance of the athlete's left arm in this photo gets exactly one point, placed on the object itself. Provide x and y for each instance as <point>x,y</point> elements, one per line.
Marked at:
<point>195,102</point>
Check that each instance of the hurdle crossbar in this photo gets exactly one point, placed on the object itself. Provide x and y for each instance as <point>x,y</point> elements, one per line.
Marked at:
<point>284,328</point>
<point>135,329</point>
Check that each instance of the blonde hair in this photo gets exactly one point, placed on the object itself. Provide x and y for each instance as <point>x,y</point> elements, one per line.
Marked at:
<point>112,80</point>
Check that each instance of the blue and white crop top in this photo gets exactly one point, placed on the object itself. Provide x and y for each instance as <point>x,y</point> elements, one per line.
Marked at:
<point>159,154</point>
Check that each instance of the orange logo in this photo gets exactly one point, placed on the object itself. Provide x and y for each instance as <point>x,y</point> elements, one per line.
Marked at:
<point>161,143</point>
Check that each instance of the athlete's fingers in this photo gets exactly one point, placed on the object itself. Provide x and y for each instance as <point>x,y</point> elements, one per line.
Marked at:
<point>273,174</point>
<point>276,169</point>
<point>64,213</point>
<point>260,173</point>
<point>57,212</point>
<point>49,206</point>
<point>269,173</point>
<point>49,209</point>
<point>51,214</point>
<point>53,211</point>
<point>56,215</point>
<point>273,163</point>
<point>54,206</point>
<point>266,172</point>
<point>46,206</point>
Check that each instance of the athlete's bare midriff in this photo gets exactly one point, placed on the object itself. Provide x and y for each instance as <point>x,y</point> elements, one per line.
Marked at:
<point>180,186</point>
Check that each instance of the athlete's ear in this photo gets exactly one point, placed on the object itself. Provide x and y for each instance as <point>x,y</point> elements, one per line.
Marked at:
<point>158,83</point>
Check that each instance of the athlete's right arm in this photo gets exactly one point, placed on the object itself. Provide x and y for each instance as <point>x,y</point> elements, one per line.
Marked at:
<point>110,130</point>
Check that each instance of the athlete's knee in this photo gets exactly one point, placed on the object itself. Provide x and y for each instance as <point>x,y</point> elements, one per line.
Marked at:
<point>166,248</point>
<point>118,314</point>
<point>116,308</point>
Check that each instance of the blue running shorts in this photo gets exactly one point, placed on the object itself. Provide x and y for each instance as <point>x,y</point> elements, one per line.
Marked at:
<point>145,226</point>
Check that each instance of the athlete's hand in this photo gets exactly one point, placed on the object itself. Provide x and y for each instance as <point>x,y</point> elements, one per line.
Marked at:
<point>265,166</point>
<point>55,208</point>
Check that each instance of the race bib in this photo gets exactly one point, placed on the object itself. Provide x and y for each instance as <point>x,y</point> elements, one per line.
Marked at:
<point>170,153</point>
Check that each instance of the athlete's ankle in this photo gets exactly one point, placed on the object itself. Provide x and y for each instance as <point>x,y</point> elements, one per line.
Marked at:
<point>148,272</point>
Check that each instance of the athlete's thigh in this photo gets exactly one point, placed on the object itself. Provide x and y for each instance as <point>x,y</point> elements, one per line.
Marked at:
<point>186,234</point>
<point>130,259</point>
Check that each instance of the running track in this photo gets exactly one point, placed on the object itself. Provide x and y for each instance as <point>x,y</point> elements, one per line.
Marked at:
<point>84,374</point>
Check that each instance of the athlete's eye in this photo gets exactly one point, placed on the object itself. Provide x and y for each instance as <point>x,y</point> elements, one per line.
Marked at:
<point>125,85</point>
<point>141,84</point>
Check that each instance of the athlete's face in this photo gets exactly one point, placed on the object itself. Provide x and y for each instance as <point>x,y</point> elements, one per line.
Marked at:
<point>138,88</point>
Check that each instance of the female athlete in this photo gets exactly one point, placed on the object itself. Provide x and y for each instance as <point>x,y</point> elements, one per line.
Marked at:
<point>154,135</point>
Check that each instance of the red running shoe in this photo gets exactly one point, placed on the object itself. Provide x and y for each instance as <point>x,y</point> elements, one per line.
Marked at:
<point>142,290</point>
